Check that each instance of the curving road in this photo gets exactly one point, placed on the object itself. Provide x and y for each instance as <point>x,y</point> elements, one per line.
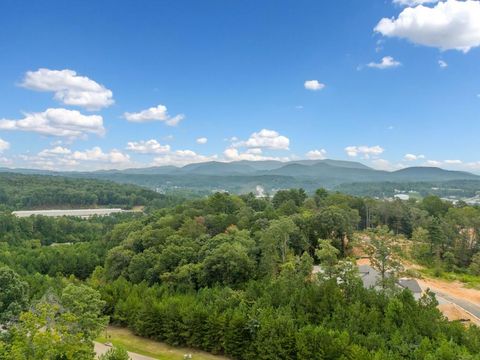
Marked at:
<point>464,304</point>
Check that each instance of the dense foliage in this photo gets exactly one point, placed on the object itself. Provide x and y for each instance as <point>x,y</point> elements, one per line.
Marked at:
<point>234,275</point>
<point>19,191</point>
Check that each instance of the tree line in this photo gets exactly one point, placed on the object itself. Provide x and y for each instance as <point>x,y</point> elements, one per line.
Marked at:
<point>20,191</point>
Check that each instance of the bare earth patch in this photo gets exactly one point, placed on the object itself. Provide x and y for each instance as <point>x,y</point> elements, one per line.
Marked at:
<point>453,312</point>
<point>457,302</point>
<point>455,289</point>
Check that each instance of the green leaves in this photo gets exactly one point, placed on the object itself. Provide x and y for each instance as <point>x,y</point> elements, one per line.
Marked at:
<point>13,294</point>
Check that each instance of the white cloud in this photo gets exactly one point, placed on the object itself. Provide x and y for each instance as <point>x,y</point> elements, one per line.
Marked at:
<point>386,63</point>
<point>313,85</point>
<point>165,155</point>
<point>382,164</point>
<point>148,147</point>
<point>265,139</point>
<point>316,154</point>
<point>364,151</point>
<point>413,157</point>
<point>255,151</point>
<point>62,158</point>
<point>473,165</point>
<point>448,163</point>
<point>182,157</point>
<point>57,150</point>
<point>443,64</point>
<point>433,163</point>
<point>4,145</point>
<point>448,25</point>
<point>57,122</point>
<point>453,162</point>
<point>254,154</point>
<point>158,113</point>
<point>69,88</point>
<point>232,154</point>
<point>5,161</point>
<point>413,2</point>
<point>96,154</point>
<point>202,140</point>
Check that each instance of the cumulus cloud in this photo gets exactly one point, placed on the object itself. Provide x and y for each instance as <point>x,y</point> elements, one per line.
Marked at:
<point>382,164</point>
<point>4,145</point>
<point>69,88</point>
<point>313,85</point>
<point>265,139</point>
<point>364,151</point>
<point>453,162</point>
<point>316,154</point>
<point>96,154</point>
<point>148,147</point>
<point>165,155</point>
<point>413,157</point>
<point>62,158</point>
<point>182,157</point>
<point>202,140</point>
<point>387,62</point>
<point>449,25</point>
<point>57,122</point>
<point>433,163</point>
<point>413,2</point>
<point>473,165</point>
<point>443,64</point>
<point>57,150</point>
<point>254,154</point>
<point>158,113</point>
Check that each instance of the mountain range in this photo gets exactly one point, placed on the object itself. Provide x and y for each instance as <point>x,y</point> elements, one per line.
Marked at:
<point>243,176</point>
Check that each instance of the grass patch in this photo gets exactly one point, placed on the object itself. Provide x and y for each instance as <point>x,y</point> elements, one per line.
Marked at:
<point>125,338</point>
<point>471,281</point>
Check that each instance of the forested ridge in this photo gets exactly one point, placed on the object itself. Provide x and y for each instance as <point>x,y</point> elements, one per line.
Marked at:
<point>233,275</point>
<point>20,191</point>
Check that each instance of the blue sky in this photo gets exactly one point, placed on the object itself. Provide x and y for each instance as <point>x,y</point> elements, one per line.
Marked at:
<point>252,79</point>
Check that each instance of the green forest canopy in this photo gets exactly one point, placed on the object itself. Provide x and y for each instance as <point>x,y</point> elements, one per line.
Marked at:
<point>233,275</point>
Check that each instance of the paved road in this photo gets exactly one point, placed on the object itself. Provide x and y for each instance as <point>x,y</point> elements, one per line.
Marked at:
<point>101,349</point>
<point>444,298</point>
<point>464,304</point>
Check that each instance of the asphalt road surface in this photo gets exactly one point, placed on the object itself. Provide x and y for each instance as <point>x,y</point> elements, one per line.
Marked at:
<point>464,304</point>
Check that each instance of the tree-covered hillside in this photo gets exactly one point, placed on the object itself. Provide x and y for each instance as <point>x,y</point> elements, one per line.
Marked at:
<point>242,177</point>
<point>233,275</point>
<point>20,191</point>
